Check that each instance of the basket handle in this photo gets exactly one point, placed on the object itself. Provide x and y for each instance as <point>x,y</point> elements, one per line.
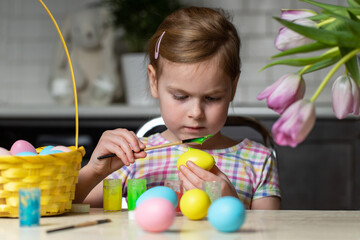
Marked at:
<point>71,71</point>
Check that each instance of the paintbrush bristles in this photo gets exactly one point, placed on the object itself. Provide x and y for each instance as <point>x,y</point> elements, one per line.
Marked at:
<point>89,223</point>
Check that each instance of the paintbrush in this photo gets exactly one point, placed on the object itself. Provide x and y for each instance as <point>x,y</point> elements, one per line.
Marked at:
<point>84,224</point>
<point>191,140</point>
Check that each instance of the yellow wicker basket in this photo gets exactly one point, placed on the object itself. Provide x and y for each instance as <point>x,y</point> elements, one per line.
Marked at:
<point>56,175</point>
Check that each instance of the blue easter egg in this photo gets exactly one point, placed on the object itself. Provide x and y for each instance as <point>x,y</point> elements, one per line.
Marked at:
<point>55,151</point>
<point>159,192</point>
<point>25,154</point>
<point>46,150</point>
<point>226,214</point>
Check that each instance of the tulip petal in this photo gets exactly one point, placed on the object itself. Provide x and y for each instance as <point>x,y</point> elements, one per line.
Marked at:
<point>334,38</point>
<point>295,124</point>
<point>266,93</point>
<point>345,97</point>
<point>286,90</point>
<point>305,122</point>
<point>288,38</point>
<point>296,14</point>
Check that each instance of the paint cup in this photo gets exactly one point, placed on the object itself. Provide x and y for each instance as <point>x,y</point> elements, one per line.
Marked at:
<point>112,195</point>
<point>29,207</point>
<point>212,189</point>
<point>177,186</point>
<point>135,187</point>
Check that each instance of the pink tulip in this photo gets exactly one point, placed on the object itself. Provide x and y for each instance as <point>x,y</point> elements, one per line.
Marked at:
<point>345,97</point>
<point>294,14</point>
<point>285,91</point>
<point>295,124</point>
<point>287,38</point>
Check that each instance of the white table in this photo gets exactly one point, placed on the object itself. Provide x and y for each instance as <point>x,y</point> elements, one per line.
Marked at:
<point>281,224</point>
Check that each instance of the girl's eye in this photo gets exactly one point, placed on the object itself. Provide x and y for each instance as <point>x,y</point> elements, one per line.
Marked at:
<point>180,97</point>
<point>212,99</point>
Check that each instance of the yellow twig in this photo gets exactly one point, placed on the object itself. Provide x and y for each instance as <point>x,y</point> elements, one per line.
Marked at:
<point>71,71</point>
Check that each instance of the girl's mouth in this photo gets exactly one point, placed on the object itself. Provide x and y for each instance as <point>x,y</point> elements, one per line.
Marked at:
<point>194,129</point>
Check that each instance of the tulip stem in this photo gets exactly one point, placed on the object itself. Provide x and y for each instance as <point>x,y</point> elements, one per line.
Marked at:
<point>304,69</point>
<point>327,21</point>
<point>332,71</point>
<point>327,53</point>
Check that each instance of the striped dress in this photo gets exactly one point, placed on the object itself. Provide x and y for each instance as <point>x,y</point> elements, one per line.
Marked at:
<point>248,165</point>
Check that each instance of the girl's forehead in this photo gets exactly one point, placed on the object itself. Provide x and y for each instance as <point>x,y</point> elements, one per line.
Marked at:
<point>202,76</point>
<point>208,67</point>
<point>213,61</point>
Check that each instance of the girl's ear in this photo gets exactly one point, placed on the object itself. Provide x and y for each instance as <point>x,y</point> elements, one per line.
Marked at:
<point>152,81</point>
<point>234,86</point>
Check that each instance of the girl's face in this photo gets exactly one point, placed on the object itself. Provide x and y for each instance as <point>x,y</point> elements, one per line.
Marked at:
<point>194,98</point>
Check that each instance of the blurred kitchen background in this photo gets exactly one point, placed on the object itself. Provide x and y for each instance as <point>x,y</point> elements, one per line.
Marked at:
<point>36,99</point>
<point>29,41</point>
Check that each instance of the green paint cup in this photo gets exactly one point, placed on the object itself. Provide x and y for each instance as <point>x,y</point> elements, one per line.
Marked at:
<point>135,187</point>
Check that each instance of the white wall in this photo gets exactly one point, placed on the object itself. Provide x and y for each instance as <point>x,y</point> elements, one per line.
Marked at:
<point>28,40</point>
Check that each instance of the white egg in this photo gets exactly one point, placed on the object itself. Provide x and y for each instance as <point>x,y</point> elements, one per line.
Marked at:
<point>4,152</point>
<point>61,148</point>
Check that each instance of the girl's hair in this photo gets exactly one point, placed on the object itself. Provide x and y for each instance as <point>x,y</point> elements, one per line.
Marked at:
<point>195,34</point>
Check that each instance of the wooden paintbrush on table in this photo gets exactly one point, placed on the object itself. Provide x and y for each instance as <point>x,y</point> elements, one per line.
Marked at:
<point>84,224</point>
<point>191,140</point>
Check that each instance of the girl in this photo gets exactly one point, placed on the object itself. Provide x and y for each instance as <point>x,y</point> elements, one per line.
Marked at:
<point>193,72</point>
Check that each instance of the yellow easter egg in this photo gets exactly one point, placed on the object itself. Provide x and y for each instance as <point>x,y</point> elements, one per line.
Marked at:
<point>194,204</point>
<point>199,157</point>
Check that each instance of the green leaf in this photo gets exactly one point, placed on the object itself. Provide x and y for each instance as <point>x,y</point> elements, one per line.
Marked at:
<point>354,3</point>
<point>325,6</point>
<point>355,11</point>
<point>303,61</point>
<point>334,8</point>
<point>333,38</point>
<point>351,65</point>
<point>329,7</point>
<point>350,22</point>
<point>322,64</point>
<point>320,17</point>
<point>336,25</point>
<point>353,17</point>
<point>354,23</point>
<point>303,49</point>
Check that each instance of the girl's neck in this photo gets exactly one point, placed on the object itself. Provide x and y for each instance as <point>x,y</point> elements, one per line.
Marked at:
<point>218,141</point>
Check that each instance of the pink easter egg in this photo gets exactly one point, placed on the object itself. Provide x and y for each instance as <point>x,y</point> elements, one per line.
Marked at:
<point>4,152</point>
<point>22,146</point>
<point>155,214</point>
<point>61,148</point>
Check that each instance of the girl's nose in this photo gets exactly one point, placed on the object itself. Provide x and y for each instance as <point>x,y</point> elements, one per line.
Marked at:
<point>196,111</point>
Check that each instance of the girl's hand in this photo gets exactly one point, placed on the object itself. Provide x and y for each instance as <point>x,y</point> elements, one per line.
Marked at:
<point>121,142</point>
<point>193,176</point>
